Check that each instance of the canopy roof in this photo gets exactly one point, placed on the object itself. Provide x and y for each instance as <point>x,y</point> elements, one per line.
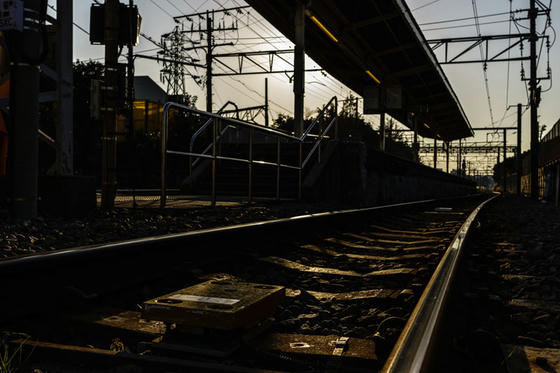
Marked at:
<point>382,37</point>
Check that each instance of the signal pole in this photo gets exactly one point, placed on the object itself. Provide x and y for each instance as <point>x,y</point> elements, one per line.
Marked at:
<point>533,102</point>
<point>109,140</point>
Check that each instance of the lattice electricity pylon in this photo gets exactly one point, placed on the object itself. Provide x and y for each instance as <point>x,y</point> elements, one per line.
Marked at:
<point>175,59</point>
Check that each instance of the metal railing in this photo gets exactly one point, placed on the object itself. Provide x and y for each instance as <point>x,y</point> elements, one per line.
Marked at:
<point>202,129</point>
<point>216,121</point>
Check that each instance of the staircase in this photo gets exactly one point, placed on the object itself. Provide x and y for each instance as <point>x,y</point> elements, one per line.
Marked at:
<point>232,178</point>
<point>251,161</point>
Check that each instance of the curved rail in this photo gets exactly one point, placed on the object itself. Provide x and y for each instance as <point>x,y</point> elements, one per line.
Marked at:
<point>413,348</point>
<point>216,119</point>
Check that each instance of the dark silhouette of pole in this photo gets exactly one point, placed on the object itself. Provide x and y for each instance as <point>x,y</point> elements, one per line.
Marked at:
<point>299,66</point>
<point>504,175</point>
<point>534,103</point>
<point>266,102</point>
<point>209,61</point>
<point>109,139</point>
<point>518,159</point>
<point>435,152</point>
<point>24,102</point>
<point>130,72</point>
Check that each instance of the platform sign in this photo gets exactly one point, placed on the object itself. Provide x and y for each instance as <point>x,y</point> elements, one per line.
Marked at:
<point>393,97</point>
<point>372,100</point>
<point>379,99</point>
<point>11,15</point>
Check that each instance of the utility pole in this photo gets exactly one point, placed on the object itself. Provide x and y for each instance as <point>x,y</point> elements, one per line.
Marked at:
<point>533,102</point>
<point>504,174</point>
<point>24,105</point>
<point>65,126</point>
<point>299,66</point>
<point>266,102</point>
<point>519,160</point>
<point>209,47</point>
<point>130,72</point>
<point>109,139</point>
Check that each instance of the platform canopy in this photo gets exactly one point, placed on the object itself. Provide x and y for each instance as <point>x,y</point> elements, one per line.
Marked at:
<point>376,48</point>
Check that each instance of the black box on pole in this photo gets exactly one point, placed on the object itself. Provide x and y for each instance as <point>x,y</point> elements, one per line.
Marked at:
<point>127,15</point>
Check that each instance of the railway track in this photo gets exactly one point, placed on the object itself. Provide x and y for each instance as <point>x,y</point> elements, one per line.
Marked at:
<point>358,290</point>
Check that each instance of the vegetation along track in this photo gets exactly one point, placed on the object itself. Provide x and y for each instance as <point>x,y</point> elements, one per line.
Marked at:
<point>324,292</point>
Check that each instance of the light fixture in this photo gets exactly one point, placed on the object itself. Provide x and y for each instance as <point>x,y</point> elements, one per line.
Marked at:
<point>373,77</point>
<point>321,26</point>
<point>425,125</point>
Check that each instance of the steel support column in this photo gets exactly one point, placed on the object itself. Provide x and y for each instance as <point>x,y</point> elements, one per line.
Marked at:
<point>447,157</point>
<point>519,163</point>
<point>415,145</point>
<point>65,125</point>
<point>557,190</point>
<point>299,67</point>
<point>504,171</point>
<point>266,102</point>
<point>435,153</point>
<point>382,132</point>
<point>459,170</point>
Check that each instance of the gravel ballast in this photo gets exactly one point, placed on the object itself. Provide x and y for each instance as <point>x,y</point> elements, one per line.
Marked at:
<point>51,233</point>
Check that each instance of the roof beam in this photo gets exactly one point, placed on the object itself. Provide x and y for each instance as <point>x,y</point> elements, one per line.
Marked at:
<point>374,20</point>
<point>411,71</point>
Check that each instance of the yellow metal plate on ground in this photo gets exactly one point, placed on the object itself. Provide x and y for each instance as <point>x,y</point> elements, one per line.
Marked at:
<point>216,304</point>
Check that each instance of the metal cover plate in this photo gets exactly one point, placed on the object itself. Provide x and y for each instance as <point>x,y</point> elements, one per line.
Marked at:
<point>123,320</point>
<point>216,304</point>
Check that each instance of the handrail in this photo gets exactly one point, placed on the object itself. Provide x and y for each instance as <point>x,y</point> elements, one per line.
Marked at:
<point>204,126</point>
<point>207,123</point>
<point>318,142</point>
<point>269,130</point>
<point>321,114</point>
<point>216,119</point>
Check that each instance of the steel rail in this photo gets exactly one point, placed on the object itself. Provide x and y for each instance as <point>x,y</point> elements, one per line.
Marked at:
<point>185,239</point>
<point>412,352</point>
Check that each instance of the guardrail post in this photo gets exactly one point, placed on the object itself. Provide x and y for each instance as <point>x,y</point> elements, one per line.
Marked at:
<point>213,195</point>
<point>300,168</point>
<point>250,191</point>
<point>277,168</point>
